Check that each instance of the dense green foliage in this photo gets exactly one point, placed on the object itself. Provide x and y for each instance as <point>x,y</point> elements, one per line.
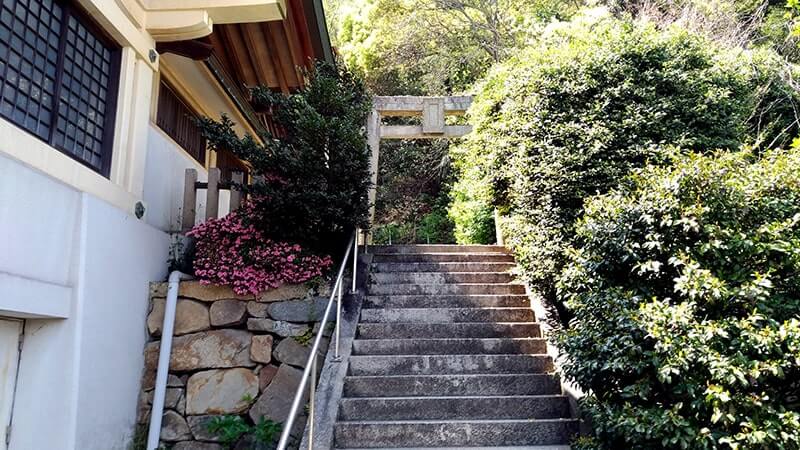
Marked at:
<point>434,47</point>
<point>411,204</point>
<point>686,297</point>
<point>428,47</point>
<point>231,430</point>
<point>311,182</point>
<point>595,98</point>
<point>734,23</point>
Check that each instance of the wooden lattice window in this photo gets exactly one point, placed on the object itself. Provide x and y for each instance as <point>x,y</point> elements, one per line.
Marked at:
<point>177,120</point>
<point>58,78</point>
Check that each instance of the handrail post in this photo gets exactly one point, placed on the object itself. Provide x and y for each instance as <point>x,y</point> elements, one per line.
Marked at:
<point>314,353</point>
<point>336,357</point>
<point>355,261</point>
<point>311,403</point>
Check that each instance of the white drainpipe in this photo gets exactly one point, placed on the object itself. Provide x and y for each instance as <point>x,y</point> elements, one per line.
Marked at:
<point>163,359</point>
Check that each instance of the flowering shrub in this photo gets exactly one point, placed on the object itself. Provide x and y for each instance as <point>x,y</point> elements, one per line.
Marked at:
<point>232,252</point>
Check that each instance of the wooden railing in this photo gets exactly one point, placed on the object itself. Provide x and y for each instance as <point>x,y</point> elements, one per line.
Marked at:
<point>212,187</point>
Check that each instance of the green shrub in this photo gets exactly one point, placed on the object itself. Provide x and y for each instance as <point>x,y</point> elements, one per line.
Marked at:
<point>312,180</point>
<point>571,116</point>
<point>233,431</point>
<point>686,293</point>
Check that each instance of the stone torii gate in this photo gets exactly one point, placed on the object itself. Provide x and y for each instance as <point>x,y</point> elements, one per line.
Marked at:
<point>432,110</point>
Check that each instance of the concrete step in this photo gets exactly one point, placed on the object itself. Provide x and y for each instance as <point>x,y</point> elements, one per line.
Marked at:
<point>454,408</point>
<point>442,257</point>
<point>440,277</point>
<point>448,364</point>
<point>446,301</point>
<point>442,267</point>
<point>446,315</point>
<point>447,330</point>
<point>459,434</point>
<point>447,289</point>
<point>435,248</point>
<point>464,346</point>
<point>442,385</point>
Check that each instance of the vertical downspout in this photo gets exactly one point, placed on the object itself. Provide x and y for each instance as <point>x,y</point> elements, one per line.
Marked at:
<point>164,353</point>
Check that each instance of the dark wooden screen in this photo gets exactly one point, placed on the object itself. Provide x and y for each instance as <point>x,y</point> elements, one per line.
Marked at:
<point>58,76</point>
<point>177,120</point>
<point>229,163</point>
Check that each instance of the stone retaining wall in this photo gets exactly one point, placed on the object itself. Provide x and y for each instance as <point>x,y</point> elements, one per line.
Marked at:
<point>231,355</point>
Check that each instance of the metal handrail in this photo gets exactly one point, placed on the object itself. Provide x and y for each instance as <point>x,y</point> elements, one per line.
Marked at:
<point>311,365</point>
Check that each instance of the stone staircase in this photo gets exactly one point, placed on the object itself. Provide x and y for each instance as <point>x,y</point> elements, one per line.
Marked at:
<point>448,354</point>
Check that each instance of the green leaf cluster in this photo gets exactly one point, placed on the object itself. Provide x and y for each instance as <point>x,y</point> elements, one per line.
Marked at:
<point>685,290</point>
<point>232,430</point>
<point>594,98</point>
<point>311,180</point>
<point>434,47</point>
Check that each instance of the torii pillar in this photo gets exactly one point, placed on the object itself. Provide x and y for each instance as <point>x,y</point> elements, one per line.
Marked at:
<point>432,110</point>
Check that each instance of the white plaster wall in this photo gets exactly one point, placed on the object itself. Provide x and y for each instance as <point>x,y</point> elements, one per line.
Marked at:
<point>38,220</point>
<point>112,307</point>
<point>164,178</point>
<point>79,376</point>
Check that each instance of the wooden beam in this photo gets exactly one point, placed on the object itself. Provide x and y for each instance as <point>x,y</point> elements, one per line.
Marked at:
<point>193,49</point>
<point>237,49</point>
<point>415,132</point>
<point>414,106</point>
<point>259,53</point>
<point>274,42</point>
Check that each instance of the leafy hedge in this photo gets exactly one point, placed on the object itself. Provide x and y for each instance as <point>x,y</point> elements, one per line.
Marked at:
<point>686,294</point>
<point>595,98</point>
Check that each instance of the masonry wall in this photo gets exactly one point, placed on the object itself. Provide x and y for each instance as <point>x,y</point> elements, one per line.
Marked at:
<point>232,355</point>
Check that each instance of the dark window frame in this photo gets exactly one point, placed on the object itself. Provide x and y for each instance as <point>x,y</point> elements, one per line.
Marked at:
<point>69,9</point>
<point>175,134</point>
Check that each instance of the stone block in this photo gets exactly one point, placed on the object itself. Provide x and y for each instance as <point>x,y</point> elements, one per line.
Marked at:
<point>308,310</point>
<point>281,328</point>
<point>266,375</point>
<point>257,309</point>
<point>276,401</point>
<point>228,391</point>
<point>228,312</point>
<point>199,427</point>
<point>196,445</point>
<point>285,292</point>
<point>190,317</point>
<point>291,352</point>
<point>211,350</point>
<point>208,292</point>
<point>261,348</point>
<point>174,427</point>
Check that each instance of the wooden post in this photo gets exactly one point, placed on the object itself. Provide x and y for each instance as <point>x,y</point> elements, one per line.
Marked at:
<point>189,200</point>
<point>237,178</point>
<point>212,193</point>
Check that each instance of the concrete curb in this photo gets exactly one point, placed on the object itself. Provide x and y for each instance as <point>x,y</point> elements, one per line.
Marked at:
<point>550,322</point>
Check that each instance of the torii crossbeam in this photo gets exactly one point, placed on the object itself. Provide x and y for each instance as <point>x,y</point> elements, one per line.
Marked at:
<point>432,110</point>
